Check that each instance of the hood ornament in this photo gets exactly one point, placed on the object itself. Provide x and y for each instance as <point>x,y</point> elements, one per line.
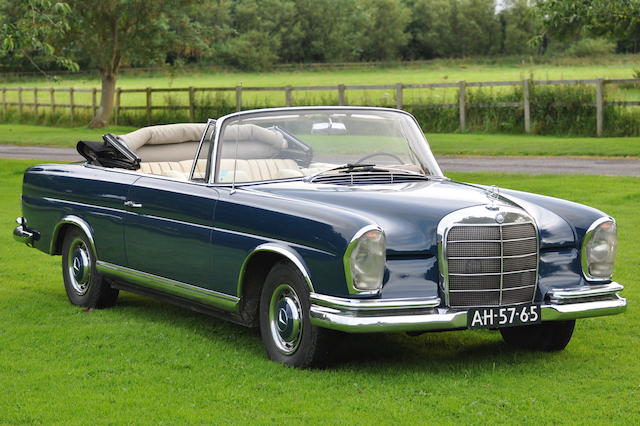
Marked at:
<point>493,194</point>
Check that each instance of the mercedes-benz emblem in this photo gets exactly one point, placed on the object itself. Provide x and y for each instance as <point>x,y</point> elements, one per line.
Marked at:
<point>76,264</point>
<point>282,317</point>
<point>499,218</point>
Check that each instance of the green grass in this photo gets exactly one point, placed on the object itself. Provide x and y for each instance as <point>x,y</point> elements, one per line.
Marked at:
<point>432,72</point>
<point>441,143</point>
<point>24,134</point>
<point>148,362</point>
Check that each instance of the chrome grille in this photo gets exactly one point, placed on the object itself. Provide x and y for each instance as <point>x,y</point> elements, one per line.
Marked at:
<point>491,265</point>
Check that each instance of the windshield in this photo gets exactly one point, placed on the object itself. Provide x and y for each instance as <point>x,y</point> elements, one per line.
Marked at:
<point>296,143</point>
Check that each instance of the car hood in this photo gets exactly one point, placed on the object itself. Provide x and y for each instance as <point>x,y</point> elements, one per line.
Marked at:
<point>409,213</point>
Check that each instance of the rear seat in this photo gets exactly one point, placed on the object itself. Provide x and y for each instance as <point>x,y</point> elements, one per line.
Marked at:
<point>246,170</point>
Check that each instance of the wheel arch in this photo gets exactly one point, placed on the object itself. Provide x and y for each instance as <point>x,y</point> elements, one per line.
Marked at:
<point>62,227</point>
<point>254,271</point>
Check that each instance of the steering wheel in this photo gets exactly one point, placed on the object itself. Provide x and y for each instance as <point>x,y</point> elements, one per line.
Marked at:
<point>376,154</point>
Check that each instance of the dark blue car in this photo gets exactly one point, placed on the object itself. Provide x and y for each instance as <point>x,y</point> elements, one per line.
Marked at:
<point>307,222</point>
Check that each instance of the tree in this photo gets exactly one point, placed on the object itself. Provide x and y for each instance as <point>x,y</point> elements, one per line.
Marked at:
<point>27,28</point>
<point>113,32</point>
<point>596,17</point>
<point>520,25</point>
<point>385,28</point>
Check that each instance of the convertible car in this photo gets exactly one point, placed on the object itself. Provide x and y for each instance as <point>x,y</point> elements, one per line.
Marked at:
<point>308,222</point>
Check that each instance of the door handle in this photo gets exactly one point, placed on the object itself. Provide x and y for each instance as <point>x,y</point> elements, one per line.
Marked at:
<point>132,204</point>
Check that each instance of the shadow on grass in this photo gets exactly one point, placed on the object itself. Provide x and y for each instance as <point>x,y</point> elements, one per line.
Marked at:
<point>441,351</point>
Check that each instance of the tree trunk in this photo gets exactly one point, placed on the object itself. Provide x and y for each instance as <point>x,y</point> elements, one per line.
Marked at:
<point>105,110</point>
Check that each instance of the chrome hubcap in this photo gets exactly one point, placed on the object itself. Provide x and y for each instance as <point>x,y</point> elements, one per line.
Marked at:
<point>79,266</point>
<point>285,319</point>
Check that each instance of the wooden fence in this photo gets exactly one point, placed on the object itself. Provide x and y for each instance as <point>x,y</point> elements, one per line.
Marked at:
<point>288,91</point>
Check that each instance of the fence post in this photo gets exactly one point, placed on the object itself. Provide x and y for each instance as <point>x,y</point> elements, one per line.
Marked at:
<point>288,96</point>
<point>148,105</point>
<point>117,106</point>
<point>599,106</point>
<point>4,100</point>
<point>35,101</point>
<point>52,95</point>
<point>238,98</point>
<point>20,100</point>
<point>341,100</point>
<point>72,103</point>
<point>94,101</point>
<point>527,105</point>
<point>192,104</point>
<point>399,102</point>
<point>462,105</point>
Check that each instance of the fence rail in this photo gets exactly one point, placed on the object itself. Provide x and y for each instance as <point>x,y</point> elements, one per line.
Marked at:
<point>398,89</point>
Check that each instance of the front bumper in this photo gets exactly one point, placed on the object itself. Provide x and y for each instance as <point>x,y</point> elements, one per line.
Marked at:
<point>23,234</point>
<point>371,315</point>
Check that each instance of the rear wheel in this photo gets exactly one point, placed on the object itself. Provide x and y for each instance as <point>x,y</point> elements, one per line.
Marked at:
<point>549,336</point>
<point>84,286</point>
<point>285,327</point>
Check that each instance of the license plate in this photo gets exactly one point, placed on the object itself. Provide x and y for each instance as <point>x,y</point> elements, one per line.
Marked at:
<point>504,316</point>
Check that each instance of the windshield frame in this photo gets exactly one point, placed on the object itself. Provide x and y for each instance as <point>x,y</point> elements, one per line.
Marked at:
<point>213,166</point>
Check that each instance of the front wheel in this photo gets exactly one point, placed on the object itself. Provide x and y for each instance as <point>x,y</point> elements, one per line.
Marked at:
<point>84,286</point>
<point>285,327</point>
<point>549,336</point>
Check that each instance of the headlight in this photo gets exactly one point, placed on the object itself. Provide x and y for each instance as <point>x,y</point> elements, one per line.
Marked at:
<point>599,250</point>
<point>364,260</point>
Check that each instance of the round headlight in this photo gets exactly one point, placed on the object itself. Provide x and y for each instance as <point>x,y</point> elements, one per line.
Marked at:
<point>599,250</point>
<point>365,259</point>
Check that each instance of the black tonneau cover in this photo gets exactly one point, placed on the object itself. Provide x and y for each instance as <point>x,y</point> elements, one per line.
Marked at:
<point>111,152</point>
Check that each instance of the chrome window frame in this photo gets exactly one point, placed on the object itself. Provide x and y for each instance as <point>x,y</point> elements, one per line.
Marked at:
<point>210,122</point>
<point>221,123</point>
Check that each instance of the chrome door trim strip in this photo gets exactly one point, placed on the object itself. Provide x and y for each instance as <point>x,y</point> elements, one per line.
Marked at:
<point>169,286</point>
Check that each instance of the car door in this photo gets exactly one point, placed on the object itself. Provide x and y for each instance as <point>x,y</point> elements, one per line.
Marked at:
<point>169,226</point>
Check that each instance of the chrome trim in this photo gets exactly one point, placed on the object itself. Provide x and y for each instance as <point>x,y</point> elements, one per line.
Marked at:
<point>77,221</point>
<point>281,250</point>
<point>23,234</point>
<point>566,295</point>
<point>445,319</point>
<point>479,216</point>
<point>373,304</point>
<point>347,261</point>
<point>167,285</point>
<point>583,252</point>
<point>220,123</point>
<point>210,121</point>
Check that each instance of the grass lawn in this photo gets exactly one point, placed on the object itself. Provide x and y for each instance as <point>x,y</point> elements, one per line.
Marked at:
<point>148,362</point>
<point>441,143</point>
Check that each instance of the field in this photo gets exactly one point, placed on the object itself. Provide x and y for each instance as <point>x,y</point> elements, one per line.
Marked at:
<point>441,143</point>
<point>620,66</point>
<point>148,362</point>
<point>555,110</point>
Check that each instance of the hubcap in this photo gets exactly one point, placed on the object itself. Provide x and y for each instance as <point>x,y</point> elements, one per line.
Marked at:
<point>79,266</point>
<point>285,319</point>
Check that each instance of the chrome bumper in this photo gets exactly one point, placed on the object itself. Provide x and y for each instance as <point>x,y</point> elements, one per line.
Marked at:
<point>23,234</point>
<point>371,315</point>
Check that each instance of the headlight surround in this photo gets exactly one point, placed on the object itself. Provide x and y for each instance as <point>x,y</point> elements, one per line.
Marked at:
<point>598,251</point>
<point>364,261</point>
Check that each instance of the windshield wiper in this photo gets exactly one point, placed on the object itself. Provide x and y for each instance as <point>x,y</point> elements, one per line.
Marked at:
<point>362,167</point>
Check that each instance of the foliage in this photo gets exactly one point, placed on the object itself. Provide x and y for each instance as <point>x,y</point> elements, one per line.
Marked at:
<point>575,17</point>
<point>588,47</point>
<point>148,362</point>
<point>27,28</point>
